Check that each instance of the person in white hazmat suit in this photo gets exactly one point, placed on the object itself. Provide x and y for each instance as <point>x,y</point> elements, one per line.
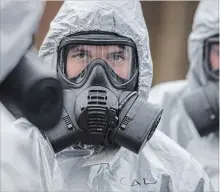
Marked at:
<point>78,36</point>
<point>191,106</point>
<point>26,161</point>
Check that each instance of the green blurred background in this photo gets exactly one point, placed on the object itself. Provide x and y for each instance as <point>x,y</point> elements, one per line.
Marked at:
<point>169,24</point>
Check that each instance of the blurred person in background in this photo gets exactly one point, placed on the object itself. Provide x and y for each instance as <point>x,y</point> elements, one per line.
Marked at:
<point>26,160</point>
<point>78,36</point>
<point>191,106</point>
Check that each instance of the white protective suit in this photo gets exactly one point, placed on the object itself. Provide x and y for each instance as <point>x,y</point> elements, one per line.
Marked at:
<point>162,165</point>
<point>175,121</point>
<point>26,161</point>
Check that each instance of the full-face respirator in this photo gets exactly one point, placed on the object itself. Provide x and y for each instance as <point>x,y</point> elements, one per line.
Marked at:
<point>99,73</point>
<point>202,104</point>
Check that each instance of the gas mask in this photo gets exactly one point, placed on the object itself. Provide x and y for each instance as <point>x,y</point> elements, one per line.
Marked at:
<point>99,73</point>
<point>33,92</point>
<point>202,104</point>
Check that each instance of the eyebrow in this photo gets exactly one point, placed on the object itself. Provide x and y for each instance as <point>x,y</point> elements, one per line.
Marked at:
<point>79,49</point>
<point>118,52</point>
<point>121,48</point>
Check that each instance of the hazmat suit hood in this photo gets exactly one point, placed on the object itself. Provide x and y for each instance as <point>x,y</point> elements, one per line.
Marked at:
<point>206,24</point>
<point>19,20</point>
<point>124,18</point>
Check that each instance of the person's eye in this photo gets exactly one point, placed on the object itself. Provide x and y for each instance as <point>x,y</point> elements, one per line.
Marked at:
<point>116,58</point>
<point>82,56</point>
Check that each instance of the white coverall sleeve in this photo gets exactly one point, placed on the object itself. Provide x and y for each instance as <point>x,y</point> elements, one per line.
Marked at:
<point>27,162</point>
